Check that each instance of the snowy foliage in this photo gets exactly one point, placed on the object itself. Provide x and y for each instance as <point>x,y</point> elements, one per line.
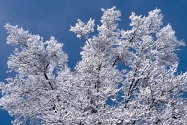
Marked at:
<point>148,91</point>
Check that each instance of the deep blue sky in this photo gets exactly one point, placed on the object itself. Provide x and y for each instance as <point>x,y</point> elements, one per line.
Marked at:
<point>54,17</point>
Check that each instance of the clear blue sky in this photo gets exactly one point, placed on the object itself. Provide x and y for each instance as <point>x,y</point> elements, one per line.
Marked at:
<point>54,17</point>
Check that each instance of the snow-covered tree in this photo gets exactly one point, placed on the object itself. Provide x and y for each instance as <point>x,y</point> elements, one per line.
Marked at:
<point>147,91</point>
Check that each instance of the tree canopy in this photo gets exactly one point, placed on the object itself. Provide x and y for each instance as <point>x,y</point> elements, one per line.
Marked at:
<point>147,91</point>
